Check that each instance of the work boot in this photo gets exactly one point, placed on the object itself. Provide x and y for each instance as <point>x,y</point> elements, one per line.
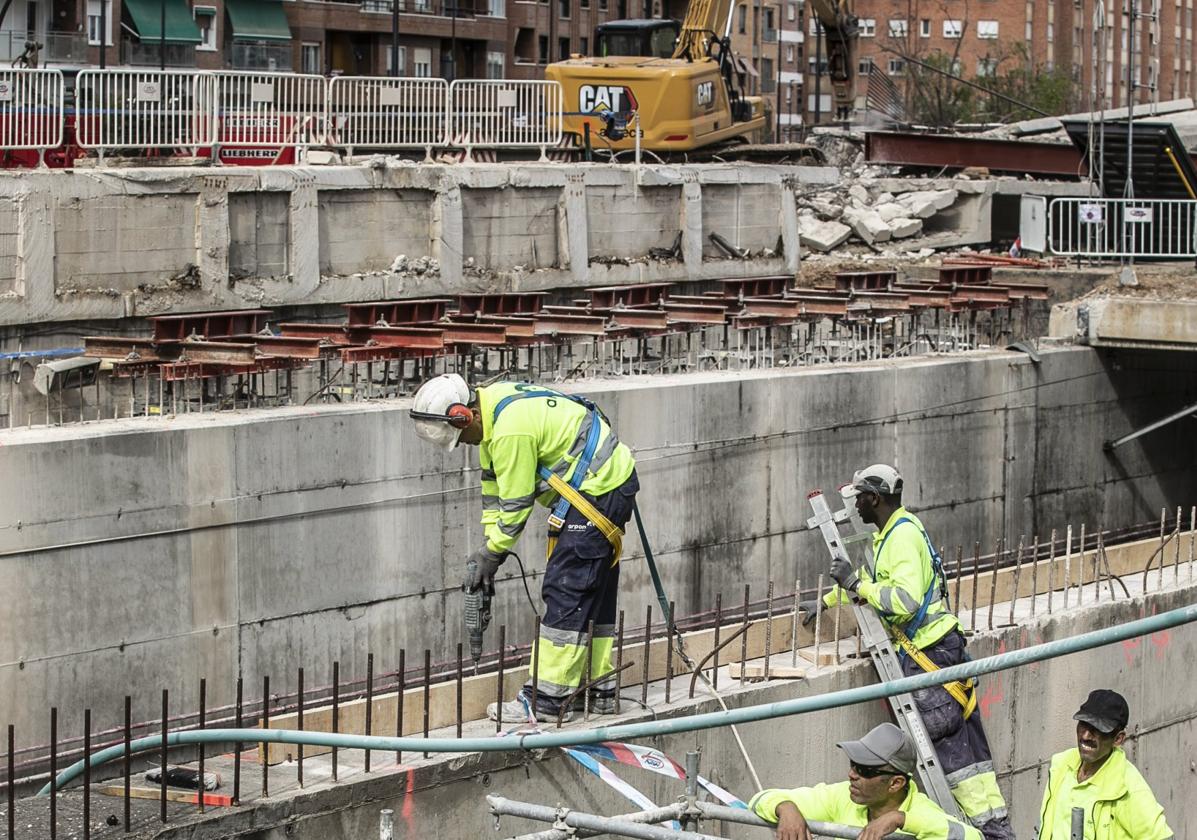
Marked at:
<point>519,711</point>
<point>600,704</point>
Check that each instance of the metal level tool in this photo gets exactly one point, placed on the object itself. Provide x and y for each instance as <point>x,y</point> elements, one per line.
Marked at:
<point>876,640</point>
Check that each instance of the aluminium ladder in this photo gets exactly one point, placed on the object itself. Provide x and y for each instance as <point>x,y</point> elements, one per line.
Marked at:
<point>876,639</point>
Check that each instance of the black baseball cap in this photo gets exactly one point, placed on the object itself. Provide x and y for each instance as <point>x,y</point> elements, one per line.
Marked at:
<point>1104,710</point>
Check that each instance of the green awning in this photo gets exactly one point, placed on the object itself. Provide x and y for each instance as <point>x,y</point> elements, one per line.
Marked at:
<point>258,20</point>
<point>147,20</point>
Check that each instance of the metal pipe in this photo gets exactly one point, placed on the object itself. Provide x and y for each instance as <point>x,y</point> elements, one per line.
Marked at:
<point>648,729</point>
<point>501,806</point>
<point>655,815</point>
<point>711,811</point>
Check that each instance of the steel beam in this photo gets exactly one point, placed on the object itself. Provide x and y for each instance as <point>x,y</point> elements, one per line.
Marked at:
<point>408,338</point>
<point>218,352</point>
<point>554,324</point>
<point>482,335</point>
<point>940,150</point>
<point>208,324</point>
<point>639,294</point>
<point>332,333</point>
<point>128,349</point>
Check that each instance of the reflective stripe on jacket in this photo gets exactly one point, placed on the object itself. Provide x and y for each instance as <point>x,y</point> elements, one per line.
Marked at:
<point>1123,806</point>
<point>833,804</point>
<point>904,571</point>
<point>532,432</point>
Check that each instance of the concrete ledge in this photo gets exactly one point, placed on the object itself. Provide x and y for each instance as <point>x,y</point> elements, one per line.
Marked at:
<point>1127,322</point>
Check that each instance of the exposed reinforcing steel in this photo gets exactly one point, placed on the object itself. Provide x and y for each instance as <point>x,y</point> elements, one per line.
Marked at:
<point>876,640</point>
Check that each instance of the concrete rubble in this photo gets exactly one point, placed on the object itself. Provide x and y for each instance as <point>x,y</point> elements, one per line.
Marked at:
<point>829,218</point>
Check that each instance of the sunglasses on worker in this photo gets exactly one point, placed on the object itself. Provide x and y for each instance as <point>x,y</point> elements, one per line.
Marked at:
<point>867,772</point>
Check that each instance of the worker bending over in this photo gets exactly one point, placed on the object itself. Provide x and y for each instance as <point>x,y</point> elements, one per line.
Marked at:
<point>908,590</point>
<point>880,796</point>
<point>539,445</point>
<point>1097,778</point>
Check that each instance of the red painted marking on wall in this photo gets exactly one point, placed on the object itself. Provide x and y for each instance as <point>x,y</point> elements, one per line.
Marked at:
<point>995,691</point>
<point>408,790</point>
<point>1130,650</point>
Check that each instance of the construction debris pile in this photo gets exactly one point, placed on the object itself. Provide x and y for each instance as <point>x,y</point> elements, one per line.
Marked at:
<point>830,218</point>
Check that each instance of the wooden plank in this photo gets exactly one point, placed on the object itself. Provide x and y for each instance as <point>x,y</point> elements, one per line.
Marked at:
<point>756,670</point>
<point>219,800</point>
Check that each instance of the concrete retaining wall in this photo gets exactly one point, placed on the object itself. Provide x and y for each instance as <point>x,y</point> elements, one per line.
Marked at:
<point>102,244</point>
<point>152,552</point>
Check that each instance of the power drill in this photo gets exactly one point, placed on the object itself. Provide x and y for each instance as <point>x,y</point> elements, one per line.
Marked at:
<point>477,612</point>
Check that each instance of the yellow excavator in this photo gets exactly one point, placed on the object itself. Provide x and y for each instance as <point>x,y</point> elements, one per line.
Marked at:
<point>692,99</point>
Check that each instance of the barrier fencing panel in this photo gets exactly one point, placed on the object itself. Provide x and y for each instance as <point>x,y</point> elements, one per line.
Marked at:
<point>1122,227</point>
<point>501,113</point>
<point>375,112</point>
<point>269,110</point>
<point>31,109</point>
<point>139,109</point>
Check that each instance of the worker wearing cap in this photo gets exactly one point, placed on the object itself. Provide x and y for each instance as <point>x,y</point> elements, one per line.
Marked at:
<point>908,591</point>
<point>1096,777</point>
<point>528,437</point>
<point>880,796</point>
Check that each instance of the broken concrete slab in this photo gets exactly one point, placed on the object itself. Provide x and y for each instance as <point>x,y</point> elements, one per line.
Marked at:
<point>867,225</point>
<point>924,204</point>
<point>892,210</point>
<point>902,228</point>
<point>821,235</point>
<point>859,194</point>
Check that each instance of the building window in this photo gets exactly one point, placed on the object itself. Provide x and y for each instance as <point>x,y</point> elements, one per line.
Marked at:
<point>897,67</point>
<point>789,53</point>
<point>584,46</point>
<point>585,4</point>
<point>494,65</point>
<point>953,28</point>
<point>899,28</point>
<point>563,9</point>
<point>400,70</point>
<point>422,63</point>
<point>791,12</point>
<point>987,67</point>
<point>814,26</point>
<point>769,18</point>
<point>562,49</point>
<point>497,8</point>
<point>542,53</point>
<point>865,67</point>
<point>602,5</point>
<point>309,59</point>
<point>867,27</point>
<point>205,20</point>
<point>925,28</point>
<point>93,22</point>
<point>743,19</point>
<point>987,29</point>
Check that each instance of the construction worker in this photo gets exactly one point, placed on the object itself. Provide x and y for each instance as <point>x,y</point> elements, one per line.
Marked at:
<point>880,796</point>
<point>540,445</point>
<point>1097,778</point>
<point>908,590</point>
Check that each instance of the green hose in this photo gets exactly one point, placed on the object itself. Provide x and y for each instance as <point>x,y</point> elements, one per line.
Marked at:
<point>653,728</point>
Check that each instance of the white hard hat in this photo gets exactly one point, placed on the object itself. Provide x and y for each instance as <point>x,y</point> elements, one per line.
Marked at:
<point>878,478</point>
<point>430,411</point>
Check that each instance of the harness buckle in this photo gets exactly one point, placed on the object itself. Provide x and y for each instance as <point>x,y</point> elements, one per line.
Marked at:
<point>555,522</point>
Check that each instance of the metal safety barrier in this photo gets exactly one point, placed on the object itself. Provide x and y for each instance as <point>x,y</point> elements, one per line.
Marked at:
<point>373,112</point>
<point>505,114</point>
<point>31,109</point>
<point>269,110</point>
<point>116,109</point>
<point>1122,227</point>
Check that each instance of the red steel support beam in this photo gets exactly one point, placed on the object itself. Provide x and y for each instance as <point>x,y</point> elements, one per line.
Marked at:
<point>939,150</point>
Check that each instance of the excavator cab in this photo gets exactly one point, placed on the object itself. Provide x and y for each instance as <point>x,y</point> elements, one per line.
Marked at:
<point>643,38</point>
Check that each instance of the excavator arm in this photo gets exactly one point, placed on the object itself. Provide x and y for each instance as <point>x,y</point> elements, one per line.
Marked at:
<point>706,21</point>
<point>839,31</point>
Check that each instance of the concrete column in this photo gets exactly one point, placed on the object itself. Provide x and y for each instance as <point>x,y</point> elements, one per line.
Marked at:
<point>212,235</point>
<point>448,234</point>
<point>691,224</point>
<point>789,225</point>
<point>573,231</point>
<point>304,236</point>
<point>36,279</point>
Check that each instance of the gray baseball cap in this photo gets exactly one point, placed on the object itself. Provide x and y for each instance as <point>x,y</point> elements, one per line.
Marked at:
<point>884,745</point>
<point>878,478</point>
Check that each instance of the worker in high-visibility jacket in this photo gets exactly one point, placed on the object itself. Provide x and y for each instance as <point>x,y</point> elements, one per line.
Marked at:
<point>1096,777</point>
<point>880,796</point>
<point>909,592</point>
<point>531,439</point>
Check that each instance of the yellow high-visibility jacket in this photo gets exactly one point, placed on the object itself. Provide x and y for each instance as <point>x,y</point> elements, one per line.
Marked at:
<point>532,432</point>
<point>1118,803</point>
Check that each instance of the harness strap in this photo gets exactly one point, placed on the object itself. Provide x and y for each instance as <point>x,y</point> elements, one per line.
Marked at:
<point>613,534</point>
<point>915,623</point>
<point>964,692</point>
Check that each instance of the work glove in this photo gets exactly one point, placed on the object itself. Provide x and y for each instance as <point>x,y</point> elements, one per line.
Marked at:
<point>843,574</point>
<point>485,564</point>
<point>812,608</point>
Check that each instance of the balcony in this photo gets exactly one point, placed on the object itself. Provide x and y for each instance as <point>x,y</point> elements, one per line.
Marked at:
<point>435,8</point>
<point>266,57</point>
<point>56,47</point>
<point>149,54</point>
<point>769,36</point>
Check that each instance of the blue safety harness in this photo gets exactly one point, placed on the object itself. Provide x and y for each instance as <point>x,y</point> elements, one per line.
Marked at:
<point>937,577</point>
<point>582,466</point>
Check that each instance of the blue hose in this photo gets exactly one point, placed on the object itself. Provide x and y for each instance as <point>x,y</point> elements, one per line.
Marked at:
<point>653,728</point>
